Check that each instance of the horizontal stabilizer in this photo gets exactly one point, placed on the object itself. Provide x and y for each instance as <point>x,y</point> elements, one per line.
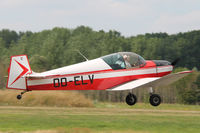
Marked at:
<point>36,76</point>
<point>39,76</point>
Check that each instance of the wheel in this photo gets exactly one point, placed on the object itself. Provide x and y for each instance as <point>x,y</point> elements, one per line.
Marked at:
<point>19,97</point>
<point>131,99</point>
<point>155,100</point>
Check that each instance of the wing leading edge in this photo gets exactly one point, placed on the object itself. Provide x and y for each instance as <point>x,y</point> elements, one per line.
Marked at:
<point>151,82</point>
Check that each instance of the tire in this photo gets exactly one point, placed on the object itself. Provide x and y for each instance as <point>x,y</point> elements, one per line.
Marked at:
<point>19,97</point>
<point>155,100</point>
<point>131,99</point>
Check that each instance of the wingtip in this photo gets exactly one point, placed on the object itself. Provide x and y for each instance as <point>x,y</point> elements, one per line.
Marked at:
<point>185,72</point>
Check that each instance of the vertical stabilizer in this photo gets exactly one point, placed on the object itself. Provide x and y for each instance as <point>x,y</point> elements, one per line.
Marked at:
<point>19,67</point>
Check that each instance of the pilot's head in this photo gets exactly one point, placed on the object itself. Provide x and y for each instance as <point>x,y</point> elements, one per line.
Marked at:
<point>126,57</point>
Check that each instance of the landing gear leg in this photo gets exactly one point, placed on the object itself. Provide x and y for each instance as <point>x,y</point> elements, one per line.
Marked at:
<point>154,99</point>
<point>150,91</point>
<point>20,96</point>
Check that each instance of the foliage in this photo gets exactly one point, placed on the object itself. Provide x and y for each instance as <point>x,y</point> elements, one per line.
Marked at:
<point>187,89</point>
<point>197,82</point>
<point>58,46</point>
<point>189,97</point>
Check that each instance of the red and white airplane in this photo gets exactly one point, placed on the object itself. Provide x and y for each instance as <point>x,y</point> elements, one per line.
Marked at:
<point>115,72</point>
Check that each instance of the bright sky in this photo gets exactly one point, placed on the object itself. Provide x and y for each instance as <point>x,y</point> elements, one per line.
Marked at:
<point>130,17</point>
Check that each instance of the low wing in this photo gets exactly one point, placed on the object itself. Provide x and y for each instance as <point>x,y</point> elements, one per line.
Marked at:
<point>151,82</point>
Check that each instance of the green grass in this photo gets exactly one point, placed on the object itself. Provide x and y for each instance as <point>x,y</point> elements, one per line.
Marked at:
<point>148,106</point>
<point>103,118</point>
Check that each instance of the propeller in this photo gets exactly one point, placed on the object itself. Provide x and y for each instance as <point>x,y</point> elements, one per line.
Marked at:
<point>175,61</point>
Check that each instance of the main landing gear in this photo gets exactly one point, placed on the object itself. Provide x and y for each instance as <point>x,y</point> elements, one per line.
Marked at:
<point>154,99</point>
<point>131,99</point>
<point>20,96</point>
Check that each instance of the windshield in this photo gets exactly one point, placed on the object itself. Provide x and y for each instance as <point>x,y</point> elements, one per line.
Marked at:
<point>124,60</point>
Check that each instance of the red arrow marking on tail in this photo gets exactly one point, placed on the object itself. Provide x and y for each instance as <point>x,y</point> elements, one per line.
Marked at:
<point>25,70</point>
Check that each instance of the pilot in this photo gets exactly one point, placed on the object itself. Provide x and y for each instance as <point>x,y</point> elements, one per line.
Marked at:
<point>127,59</point>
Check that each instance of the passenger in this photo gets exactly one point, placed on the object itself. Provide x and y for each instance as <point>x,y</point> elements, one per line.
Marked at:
<point>127,61</point>
<point>120,63</point>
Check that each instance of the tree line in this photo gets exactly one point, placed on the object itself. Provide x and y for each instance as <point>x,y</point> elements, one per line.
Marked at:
<point>50,49</point>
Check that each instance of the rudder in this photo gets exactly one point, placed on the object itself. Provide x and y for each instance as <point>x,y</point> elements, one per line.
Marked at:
<point>19,67</point>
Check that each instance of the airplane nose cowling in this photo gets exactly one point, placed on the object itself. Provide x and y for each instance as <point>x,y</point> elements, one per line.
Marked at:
<point>161,62</point>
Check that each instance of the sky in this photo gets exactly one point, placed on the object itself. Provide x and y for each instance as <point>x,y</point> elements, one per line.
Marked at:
<point>129,17</point>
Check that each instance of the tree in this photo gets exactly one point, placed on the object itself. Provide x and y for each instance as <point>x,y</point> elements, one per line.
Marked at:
<point>8,36</point>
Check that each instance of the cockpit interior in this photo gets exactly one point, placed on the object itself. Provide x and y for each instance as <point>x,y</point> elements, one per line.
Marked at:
<point>124,60</point>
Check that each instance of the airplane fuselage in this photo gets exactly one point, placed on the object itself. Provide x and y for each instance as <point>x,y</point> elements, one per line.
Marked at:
<point>94,75</point>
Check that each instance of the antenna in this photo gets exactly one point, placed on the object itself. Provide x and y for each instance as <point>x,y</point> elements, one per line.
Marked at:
<point>82,55</point>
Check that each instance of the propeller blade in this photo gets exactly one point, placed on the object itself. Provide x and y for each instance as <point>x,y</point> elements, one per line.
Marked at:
<point>175,61</point>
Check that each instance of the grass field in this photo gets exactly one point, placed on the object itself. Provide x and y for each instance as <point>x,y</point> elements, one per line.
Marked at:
<point>103,118</point>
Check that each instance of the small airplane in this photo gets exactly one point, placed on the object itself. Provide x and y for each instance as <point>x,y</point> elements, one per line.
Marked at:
<point>114,72</point>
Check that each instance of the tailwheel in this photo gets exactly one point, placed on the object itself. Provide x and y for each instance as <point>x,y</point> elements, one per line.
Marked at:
<point>155,100</point>
<point>20,96</point>
<point>131,99</point>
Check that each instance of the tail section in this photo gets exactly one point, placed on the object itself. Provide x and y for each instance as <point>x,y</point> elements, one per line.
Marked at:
<point>18,69</point>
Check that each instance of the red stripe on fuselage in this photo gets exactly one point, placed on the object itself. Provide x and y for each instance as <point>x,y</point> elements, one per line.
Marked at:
<point>96,84</point>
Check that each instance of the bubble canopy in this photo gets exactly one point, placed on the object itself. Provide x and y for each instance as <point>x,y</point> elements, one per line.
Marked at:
<point>124,60</point>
